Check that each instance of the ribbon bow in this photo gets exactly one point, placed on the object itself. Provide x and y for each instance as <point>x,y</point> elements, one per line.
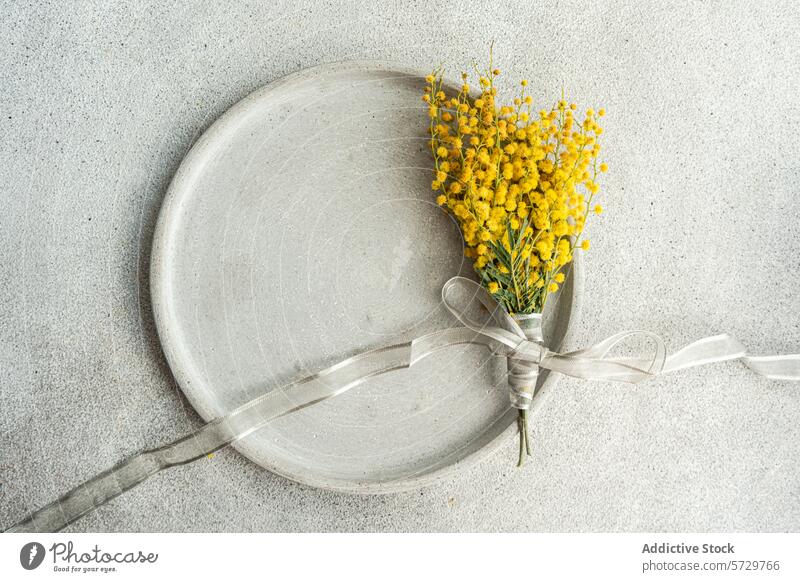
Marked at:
<point>594,363</point>
<point>526,352</point>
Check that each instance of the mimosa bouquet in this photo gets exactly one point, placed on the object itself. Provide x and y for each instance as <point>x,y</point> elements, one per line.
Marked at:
<point>521,185</point>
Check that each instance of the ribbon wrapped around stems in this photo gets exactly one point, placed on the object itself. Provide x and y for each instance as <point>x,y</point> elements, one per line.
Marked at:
<point>518,339</point>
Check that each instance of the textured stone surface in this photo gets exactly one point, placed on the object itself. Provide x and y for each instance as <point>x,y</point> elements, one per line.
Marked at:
<point>100,103</point>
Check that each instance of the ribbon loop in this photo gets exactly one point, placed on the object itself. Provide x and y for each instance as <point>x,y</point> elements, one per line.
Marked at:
<point>510,334</point>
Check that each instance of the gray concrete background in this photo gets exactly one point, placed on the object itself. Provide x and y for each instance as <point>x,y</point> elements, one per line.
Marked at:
<point>100,102</point>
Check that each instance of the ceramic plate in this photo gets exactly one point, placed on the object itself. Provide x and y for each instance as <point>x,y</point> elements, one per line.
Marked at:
<point>300,230</point>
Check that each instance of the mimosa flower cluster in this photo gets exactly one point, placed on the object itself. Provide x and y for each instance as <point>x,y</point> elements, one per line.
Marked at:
<point>521,184</point>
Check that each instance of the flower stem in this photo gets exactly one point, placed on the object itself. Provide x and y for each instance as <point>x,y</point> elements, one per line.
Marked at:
<point>524,441</point>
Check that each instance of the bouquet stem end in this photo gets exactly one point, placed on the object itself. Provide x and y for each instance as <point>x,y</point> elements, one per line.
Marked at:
<point>524,441</point>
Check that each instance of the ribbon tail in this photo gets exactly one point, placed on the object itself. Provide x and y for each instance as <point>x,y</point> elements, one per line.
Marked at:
<point>775,367</point>
<point>709,350</point>
<point>592,363</point>
<point>722,348</point>
<point>240,423</point>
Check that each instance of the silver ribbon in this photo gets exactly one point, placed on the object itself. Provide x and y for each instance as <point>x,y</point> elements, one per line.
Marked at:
<point>525,354</point>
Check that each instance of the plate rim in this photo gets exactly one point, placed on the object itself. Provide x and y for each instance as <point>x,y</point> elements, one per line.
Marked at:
<point>159,274</point>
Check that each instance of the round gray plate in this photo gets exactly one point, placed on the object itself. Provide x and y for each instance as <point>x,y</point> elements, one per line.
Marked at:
<point>300,230</point>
